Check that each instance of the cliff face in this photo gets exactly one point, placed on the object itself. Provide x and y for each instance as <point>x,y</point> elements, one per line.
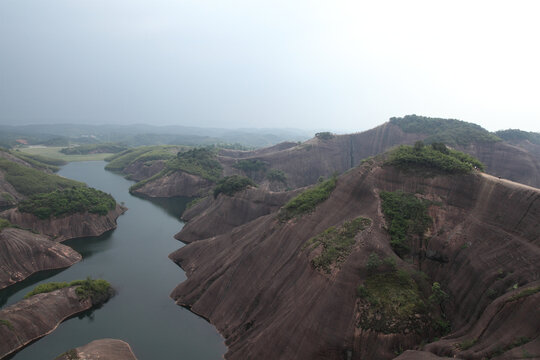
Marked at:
<point>509,161</point>
<point>140,170</point>
<point>228,212</point>
<point>176,184</point>
<point>36,317</point>
<point>257,285</point>
<point>304,163</point>
<point>103,349</point>
<point>23,253</point>
<point>66,227</point>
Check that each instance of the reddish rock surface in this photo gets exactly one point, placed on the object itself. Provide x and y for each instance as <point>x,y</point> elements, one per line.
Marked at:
<point>66,227</point>
<point>227,212</point>
<point>256,284</point>
<point>176,184</point>
<point>37,316</point>
<point>103,349</point>
<point>304,163</point>
<point>23,253</point>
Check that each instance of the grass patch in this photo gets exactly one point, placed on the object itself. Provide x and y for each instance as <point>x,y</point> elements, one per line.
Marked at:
<point>4,224</point>
<point>524,293</point>
<point>68,201</point>
<point>40,162</point>
<point>467,344</point>
<point>336,243</point>
<point>201,162</point>
<point>308,200</point>
<point>433,159</point>
<point>393,300</point>
<point>7,324</point>
<point>121,160</point>
<point>68,355</point>
<point>54,152</point>
<point>108,148</point>
<point>99,290</point>
<point>230,185</point>
<point>406,217</point>
<point>29,181</point>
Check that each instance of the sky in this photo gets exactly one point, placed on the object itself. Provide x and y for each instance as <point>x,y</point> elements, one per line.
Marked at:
<point>336,65</point>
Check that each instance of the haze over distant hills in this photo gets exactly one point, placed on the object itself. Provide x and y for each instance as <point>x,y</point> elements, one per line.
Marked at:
<point>144,134</point>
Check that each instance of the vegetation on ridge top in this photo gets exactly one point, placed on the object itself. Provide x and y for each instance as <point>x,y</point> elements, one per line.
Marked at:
<point>449,131</point>
<point>435,158</point>
<point>198,161</point>
<point>29,181</point>
<point>68,201</point>
<point>518,135</point>
<point>98,290</point>
<point>230,185</point>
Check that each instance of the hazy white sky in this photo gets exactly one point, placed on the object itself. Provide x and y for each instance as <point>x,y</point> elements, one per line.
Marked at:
<point>346,65</point>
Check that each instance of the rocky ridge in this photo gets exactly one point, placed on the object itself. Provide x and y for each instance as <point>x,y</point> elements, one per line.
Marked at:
<point>23,253</point>
<point>257,283</point>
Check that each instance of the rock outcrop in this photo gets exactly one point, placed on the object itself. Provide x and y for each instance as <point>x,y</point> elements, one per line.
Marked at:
<point>176,184</point>
<point>66,227</point>
<point>37,316</point>
<point>304,163</point>
<point>23,253</point>
<point>140,170</point>
<point>228,212</point>
<point>257,283</point>
<point>103,349</point>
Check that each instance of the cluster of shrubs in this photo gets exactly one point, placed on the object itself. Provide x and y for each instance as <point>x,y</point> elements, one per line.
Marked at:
<point>396,297</point>
<point>277,176</point>
<point>68,201</point>
<point>407,216</point>
<point>434,158</point>
<point>98,291</point>
<point>251,165</point>
<point>325,135</point>
<point>230,185</point>
<point>449,131</point>
<point>307,200</point>
<point>337,243</point>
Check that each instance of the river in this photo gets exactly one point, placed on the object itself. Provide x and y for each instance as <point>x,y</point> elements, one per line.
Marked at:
<point>133,258</point>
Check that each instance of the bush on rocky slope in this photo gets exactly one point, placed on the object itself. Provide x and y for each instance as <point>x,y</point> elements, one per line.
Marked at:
<point>307,200</point>
<point>232,184</point>
<point>433,159</point>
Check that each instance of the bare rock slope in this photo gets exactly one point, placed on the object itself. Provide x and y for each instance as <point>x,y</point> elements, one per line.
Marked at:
<point>303,164</point>
<point>23,253</point>
<point>103,349</point>
<point>37,316</point>
<point>258,283</point>
<point>66,227</point>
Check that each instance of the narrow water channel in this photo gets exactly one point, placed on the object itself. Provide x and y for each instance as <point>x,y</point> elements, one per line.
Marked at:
<point>133,258</point>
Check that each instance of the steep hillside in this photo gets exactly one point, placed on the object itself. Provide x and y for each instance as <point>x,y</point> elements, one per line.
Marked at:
<point>34,199</point>
<point>315,284</point>
<point>23,253</point>
<point>291,165</point>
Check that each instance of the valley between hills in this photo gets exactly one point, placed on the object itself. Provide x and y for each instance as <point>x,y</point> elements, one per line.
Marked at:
<point>418,239</point>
